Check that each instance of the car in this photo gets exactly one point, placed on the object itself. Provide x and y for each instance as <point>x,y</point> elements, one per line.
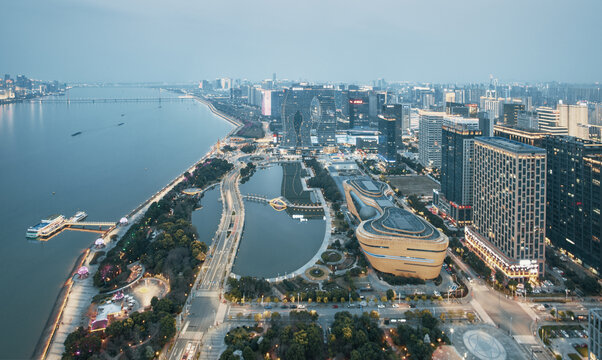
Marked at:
<point>395,305</point>
<point>335,306</point>
<point>293,306</point>
<point>267,307</point>
<point>381,306</point>
<point>284,306</point>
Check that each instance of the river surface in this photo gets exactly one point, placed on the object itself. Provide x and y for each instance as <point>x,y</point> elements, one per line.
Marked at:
<point>274,243</point>
<point>107,171</point>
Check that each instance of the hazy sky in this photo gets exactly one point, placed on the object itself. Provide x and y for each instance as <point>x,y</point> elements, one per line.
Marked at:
<point>316,40</point>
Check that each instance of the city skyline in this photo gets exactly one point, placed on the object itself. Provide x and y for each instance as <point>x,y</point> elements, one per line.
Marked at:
<point>401,41</point>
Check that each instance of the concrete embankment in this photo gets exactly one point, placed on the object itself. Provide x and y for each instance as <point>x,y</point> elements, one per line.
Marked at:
<point>75,297</point>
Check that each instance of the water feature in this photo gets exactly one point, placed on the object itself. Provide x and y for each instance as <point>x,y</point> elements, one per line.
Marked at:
<point>273,242</point>
<point>206,219</point>
<point>107,170</point>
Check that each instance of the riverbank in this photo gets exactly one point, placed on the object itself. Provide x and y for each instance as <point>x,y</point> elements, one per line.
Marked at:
<point>76,297</point>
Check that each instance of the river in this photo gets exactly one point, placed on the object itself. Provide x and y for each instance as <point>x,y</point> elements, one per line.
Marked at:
<point>273,243</point>
<point>107,171</point>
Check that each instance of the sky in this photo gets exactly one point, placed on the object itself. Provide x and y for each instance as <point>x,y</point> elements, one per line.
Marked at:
<point>311,40</point>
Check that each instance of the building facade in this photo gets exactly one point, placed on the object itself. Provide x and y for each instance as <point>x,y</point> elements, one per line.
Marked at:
<point>573,200</point>
<point>394,240</point>
<point>548,120</point>
<point>595,334</point>
<point>509,213</point>
<point>454,201</point>
<point>388,129</point>
<point>429,138</point>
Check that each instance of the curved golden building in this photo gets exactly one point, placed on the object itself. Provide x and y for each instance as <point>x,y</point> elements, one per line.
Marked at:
<point>394,240</point>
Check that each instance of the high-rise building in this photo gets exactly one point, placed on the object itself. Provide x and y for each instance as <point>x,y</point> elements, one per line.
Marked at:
<point>485,123</point>
<point>511,112</point>
<point>594,330</point>
<point>548,120</point>
<point>429,138</point>
<point>575,119</point>
<point>509,213</point>
<point>271,104</point>
<point>454,200</point>
<point>573,201</point>
<point>401,112</point>
<point>323,118</point>
<point>492,106</point>
<point>525,136</point>
<point>387,127</point>
<point>297,123</point>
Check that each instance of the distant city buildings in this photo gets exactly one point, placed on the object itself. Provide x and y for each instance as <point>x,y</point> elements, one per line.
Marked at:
<point>509,195</point>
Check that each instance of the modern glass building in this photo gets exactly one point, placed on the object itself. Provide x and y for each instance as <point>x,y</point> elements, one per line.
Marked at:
<point>573,200</point>
<point>387,127</point>
<point>509,212</point>
<point>595,334</point>
<point>454,200</point>
<point>429,138</point>
<point>394,240</point>
<point>297,123</point>
<point>323,120</point>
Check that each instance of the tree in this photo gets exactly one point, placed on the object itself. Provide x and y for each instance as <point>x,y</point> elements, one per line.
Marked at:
<point>248,353</point>
<point>390,294</point>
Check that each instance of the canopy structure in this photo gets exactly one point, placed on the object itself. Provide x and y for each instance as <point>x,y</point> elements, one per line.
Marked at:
<point>83,272</point>
<point>99,242</point>
<point>123,221</point>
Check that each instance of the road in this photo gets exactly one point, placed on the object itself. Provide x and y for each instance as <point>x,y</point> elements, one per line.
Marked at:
<point>205,308</point>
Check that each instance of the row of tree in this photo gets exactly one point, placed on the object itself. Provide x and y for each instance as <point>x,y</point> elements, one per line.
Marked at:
<point>323,180</point>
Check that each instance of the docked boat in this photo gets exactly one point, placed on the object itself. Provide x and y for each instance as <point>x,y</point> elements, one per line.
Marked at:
<point>79,216</point>
<point>46,227</point>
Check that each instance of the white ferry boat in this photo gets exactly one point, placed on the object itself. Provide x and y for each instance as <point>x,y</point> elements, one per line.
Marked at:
<point>79,216</point>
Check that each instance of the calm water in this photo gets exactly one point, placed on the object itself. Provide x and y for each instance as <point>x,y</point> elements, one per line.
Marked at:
<point>273,243</point>
<point>206,219</point>
<point>107,171</point>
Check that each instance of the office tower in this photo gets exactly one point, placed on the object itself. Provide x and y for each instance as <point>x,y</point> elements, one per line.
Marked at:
<point>575,119</point>
<point>509,213</point>
<point>271,104</point>
<point>457,145</point>
<point>491,106</point>
<point>527,120</point>
<point>323,120</point>
<point>358,105</point>
<point>296,118</point>
<point>394,240</point>
<point>387,126</point>
<point>594,330</point>
<point>548,120</point>
<point>573,200</point>
<point>525,136</point>
<point>453,108</point>
<point>485,123</point>
<point>429,138</point>
<point>401,112</point>
<point>511,111</point>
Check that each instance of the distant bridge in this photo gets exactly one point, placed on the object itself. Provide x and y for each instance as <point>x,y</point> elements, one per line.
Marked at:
<point>111,100</point>
<point>89,226</point>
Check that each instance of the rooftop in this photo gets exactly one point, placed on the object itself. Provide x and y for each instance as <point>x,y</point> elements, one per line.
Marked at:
<point>510,145</point>
<point>402,223</point>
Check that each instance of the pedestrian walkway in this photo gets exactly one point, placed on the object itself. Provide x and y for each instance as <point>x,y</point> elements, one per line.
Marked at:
<point>482,313</point>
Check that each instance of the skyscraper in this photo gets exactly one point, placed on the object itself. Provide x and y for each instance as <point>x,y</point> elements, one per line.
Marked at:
<point>457,146</point>
<point>573,201</point>
<point>511,112</point>
<point>387,126</point>
<point>296,117</point>
<point>323,120</point>
<point>429,138</point>
<point>548,120</point>
<point>401,112</point>
<point>575,119</point>
<point>509,195</point>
